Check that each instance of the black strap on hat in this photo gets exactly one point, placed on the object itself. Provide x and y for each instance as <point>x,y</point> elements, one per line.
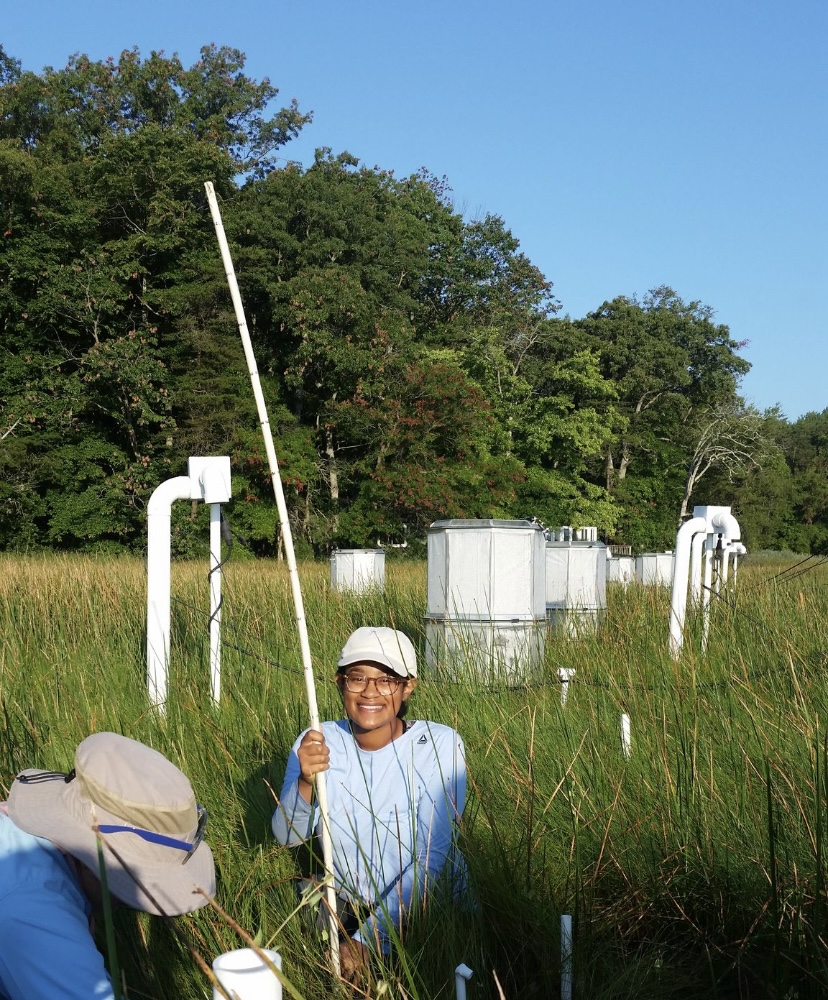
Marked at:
<point>38,776</point>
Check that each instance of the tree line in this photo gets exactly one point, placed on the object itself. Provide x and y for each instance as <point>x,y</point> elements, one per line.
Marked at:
<point>415,363</point>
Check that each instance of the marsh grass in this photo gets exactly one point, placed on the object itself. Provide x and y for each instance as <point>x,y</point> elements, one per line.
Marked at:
<point>693,869</point>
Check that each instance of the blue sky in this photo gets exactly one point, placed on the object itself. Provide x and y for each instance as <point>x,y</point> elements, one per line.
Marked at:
<point>626,145</point>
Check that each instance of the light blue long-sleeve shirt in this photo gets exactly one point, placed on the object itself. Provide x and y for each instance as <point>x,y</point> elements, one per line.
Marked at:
<point>46,948</point>
<point>393,816</point>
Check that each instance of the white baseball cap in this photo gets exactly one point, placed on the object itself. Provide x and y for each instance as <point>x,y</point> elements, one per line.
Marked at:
<point>386,647</point>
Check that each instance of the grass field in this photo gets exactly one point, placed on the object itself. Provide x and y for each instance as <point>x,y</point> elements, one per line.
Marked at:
<point>693,869</point>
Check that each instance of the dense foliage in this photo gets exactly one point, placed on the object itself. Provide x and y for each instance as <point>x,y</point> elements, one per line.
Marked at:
<point>413,361</point>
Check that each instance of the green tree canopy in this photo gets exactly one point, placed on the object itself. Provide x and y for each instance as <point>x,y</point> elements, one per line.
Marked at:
<point>102,165</point>
<point>412,361</point>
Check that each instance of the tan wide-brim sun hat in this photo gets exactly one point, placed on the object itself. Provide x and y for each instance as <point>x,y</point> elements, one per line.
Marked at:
<point>145,812</point>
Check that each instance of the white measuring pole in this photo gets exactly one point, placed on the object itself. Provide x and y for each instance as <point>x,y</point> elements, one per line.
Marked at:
<point>301,623</point>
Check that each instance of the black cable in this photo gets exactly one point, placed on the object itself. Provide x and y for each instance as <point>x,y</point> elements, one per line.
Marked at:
<point>232,645</point>
<point>221,562</point>
<point>808,569</point>
<point>801,562</point>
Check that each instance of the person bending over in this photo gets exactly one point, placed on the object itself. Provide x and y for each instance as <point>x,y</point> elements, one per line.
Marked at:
<point>151,830</point>
<point>396,790</point>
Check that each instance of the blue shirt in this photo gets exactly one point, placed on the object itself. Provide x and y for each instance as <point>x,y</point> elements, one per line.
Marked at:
<point>393,816</point>
<point>46,949</point>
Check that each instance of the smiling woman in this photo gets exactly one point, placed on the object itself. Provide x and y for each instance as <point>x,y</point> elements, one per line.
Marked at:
<point>395,790</point>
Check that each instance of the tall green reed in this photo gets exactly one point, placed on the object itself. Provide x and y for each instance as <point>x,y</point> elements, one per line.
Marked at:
<point>695,868</point>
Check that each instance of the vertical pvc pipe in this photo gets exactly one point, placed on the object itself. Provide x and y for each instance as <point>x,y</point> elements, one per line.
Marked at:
<point>298,603</point>
<point>565,675</point>
<point>159,513</point>
<point>709,555</point>
<point>626,745</point>
<point>696,552</point>
<point>738,550</point>
<point>215,601</point>
<point>245,975</point>
<point>462,974</point>
<point>566,956</point>
<point>681,573</point>
<point>725,564</point>
<point>158,609</point>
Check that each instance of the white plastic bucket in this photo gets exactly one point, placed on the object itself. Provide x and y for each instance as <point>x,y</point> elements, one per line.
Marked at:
<point>244,973</point>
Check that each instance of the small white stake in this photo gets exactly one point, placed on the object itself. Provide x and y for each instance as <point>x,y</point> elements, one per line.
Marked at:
<point>462,974</point>
<point>565,675</point>
<point>626,748</point>
<point>566,956</point>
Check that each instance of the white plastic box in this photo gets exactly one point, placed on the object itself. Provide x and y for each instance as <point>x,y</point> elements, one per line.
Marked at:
<point>621,569</point>
<point>486,605</point>
<point>576,584</point>
<point>357,570</point>
<point>655,569</point>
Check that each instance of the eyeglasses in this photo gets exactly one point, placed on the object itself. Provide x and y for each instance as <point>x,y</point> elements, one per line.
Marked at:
<point>385,686</point>
<point>160,838</point>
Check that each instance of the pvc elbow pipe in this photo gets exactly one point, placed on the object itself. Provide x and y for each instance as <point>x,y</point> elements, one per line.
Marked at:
<point>159,511</point>
<point>681,570</point>
<point>215,487</point>
<point>462,974</point>
<point>725,523</point>
<point>165,495</point>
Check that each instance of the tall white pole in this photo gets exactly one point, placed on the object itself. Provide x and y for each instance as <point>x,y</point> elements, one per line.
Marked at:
<point>301,624</point>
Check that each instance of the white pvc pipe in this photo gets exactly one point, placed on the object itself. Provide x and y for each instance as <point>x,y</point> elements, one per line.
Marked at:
<point>696,551</point>
<point>725,564</point>
<point>245,975</point>
<point>681,572</point>
<point>301,624</point>
<point>724,523</point>
<point>462,974</point>
<point>738,550</point>
<point>565,675</point>
<point>215,601</point>
<point>626,745</point>
<point>709,556</point>
<point>159,513</point>
<point>566,956</point>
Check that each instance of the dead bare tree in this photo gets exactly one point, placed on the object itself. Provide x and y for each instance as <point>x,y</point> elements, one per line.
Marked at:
<point>730,437</point>
<point>9,430</point>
